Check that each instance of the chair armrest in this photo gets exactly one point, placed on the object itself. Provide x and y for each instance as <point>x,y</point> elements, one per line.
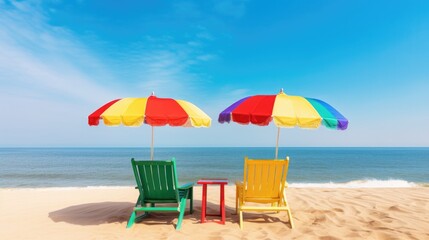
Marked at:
<point>187,185</point>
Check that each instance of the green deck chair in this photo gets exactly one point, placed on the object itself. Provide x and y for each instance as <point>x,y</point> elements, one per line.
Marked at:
<point>157,183</point>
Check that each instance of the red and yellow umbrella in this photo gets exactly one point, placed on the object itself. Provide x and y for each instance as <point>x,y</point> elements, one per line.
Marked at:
<point>152,110</point>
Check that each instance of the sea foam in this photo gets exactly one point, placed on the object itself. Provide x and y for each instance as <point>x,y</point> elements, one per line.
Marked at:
<point>364,183</point>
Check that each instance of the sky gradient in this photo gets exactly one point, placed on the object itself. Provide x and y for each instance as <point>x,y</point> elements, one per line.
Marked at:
<point>61,60</point>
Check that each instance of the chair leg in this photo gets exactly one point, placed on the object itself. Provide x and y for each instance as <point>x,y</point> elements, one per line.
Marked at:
<point>236,200</point>
<point>181,214</point>
<point>276,204</point>
<point>289,213</point>
<point>132,219</point>
<point>191,200</point>
<point>241,219</point>
<point>290,219</point>
<point>141,217</point>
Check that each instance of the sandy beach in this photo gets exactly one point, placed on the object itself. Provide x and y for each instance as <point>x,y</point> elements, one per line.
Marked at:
<point>102,213</point>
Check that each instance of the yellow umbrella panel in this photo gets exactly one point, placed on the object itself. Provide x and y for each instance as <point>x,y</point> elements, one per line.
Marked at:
<point>153,111</point>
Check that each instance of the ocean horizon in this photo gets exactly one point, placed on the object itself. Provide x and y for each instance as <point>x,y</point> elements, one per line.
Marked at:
<point>329,167</point>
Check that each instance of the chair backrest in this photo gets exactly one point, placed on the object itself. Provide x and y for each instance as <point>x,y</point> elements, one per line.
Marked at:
<point>156,180</point>
<point>265,178</point>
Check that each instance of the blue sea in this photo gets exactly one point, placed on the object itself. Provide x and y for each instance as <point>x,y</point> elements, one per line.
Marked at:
<point>309,167</point>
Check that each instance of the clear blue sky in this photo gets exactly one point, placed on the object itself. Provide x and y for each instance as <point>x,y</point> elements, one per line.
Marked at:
<point>61,60</point>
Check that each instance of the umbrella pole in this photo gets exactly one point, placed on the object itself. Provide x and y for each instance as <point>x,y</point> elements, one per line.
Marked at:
<point>277,142</point>
<point>151,147</point>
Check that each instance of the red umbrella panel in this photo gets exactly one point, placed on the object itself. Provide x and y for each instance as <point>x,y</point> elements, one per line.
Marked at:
<point>153,111</point>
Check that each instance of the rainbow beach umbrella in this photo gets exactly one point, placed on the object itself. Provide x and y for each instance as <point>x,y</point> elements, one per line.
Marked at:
<point>286,111</point>
<point>153,111</point>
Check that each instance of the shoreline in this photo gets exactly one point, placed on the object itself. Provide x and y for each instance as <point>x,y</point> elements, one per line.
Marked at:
<point>355,184</point>
<point>100,213</point>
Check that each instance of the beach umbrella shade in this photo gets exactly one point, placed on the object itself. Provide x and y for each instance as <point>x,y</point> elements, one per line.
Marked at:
<point>286,111</point>
<point>152,111</point>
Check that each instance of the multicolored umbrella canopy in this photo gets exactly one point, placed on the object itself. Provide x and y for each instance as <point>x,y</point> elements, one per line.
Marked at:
<point>285,110</point>
<point>152,110</point>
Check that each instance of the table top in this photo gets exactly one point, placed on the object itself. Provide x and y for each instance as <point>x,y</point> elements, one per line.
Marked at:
<point>213,181</point>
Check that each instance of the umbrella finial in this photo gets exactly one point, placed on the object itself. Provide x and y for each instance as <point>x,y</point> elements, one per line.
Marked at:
<point>281,90</point>
<point>153,93</point>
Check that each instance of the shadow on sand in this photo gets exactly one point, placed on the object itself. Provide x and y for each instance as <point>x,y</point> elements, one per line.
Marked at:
<point>94,213</point>
<point>119,212</point>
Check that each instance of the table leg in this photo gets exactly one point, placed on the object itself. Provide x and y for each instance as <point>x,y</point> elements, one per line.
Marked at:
<point>222,202</point>
<point>204,203</point>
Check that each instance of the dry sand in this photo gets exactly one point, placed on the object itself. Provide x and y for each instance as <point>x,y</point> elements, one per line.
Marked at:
<point>102,213</point>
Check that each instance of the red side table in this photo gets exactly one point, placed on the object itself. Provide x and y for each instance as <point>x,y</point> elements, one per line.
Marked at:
<point>221,182</point>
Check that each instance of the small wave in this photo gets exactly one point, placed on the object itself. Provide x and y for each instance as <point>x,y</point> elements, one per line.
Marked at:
<point>42,188</point>
<point>365,183</point>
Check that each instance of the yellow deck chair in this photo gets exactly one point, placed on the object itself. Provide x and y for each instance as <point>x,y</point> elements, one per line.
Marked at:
<point>264,182</point>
